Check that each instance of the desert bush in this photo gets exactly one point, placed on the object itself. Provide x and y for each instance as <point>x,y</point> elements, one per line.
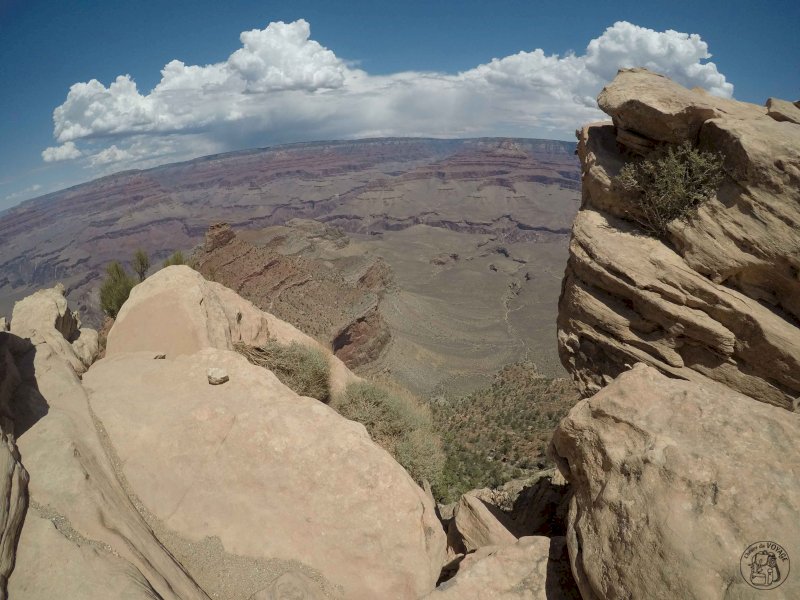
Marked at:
<point>115,289</point>
<point>670,183</point>
<point>500,431</point>
<point>303,369</point>
<point>176,259</point>
<point>397,422</point>
<point>141,263</point>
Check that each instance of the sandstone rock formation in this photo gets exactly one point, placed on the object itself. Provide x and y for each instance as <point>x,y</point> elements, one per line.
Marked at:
<point>146,481</point>
<point>781,110</point>
<point>533,568</point>
<point>476,524</point>
<point>204,314</point>
<point>338,305</point>
<point>274,476</point>
<point>81,523</point>
<point>720,298</point>
<point>672,481</point>
<point>13,476</point>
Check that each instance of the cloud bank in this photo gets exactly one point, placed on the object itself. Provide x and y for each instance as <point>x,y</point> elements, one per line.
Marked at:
<point>282,86</point>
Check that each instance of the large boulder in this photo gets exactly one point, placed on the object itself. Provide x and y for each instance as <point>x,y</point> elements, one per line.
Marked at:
<point>45,314</point>
<point>673,483</point>
<point>81,526</point>
<point>655,108</point>
<point>176,312</point>
<point>275,477</point>
<point>783,110</point>
<point>533,568</point>
<point>719,297</point>
<point>476,523</point>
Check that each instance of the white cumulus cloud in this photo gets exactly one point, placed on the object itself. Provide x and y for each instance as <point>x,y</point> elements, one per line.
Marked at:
<point>66,151</point>
<point>282,86</point>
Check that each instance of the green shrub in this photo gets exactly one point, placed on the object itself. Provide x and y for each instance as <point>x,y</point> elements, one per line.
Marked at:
<point>500,431</point>
<point>141,263</point>
<point>399,423</point>
<point>175,259</point>
<point>671,183</point>
<point>115,289</point>
<point>299,367</point>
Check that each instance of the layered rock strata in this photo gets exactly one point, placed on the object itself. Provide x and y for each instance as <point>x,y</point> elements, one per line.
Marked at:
<point>719,298</point>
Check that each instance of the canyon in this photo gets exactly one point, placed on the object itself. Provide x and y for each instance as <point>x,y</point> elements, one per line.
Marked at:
<point>174,467</point>
<point>501,207</point>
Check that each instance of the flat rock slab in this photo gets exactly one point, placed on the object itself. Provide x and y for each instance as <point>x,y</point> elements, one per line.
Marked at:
<point>272,474</point>
<point>534,568</point>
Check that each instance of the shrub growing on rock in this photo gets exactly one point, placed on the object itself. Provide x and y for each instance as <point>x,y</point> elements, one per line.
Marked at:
<point>176,259</point>
<point>399,423</point>
<point>303,369</point>
<point>670,183</point>
<point>141,263</point>
<point>115,289</point>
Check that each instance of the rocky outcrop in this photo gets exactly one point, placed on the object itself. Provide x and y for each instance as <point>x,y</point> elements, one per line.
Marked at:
<point>146,481</point>
<point>177,312</point>
<point>276,478</point>
<point>781,110</point>
<point>719,298</point>
<point>205,314</point>
<point>476,524</point>
<point>217,236</point>
<point>533,568</point>
<point>339,306</point>
<point>13,476</point>
<point>81,523</point>
<point>361,341</point>
<point>673,481</point>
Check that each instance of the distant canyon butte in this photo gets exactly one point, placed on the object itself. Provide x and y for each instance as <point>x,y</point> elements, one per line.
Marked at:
<point>472,235</point>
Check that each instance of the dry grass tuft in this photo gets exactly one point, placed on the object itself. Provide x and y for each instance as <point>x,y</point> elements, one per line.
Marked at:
<point>399,423</point>
<point>299,367</point>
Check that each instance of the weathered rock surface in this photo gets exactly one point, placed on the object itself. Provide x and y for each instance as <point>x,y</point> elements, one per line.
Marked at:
<point>13,476</point>
<point>782,110</point>
<point>475,524</point>
<point>56,567</point>
<point>273,475</point>
<point>672,481</point>
<point>72,481</point>
<point>178,313</point>
<point>87,346</point>
<point>216,376</point>
<point>147,481</point>
<point>46,313</point>
<point>720,298</point>
<point>533,568</point>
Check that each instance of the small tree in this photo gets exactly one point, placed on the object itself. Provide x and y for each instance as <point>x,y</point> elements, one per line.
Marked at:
<point>671,183</point>
<point>115,289</point>
<point>141,263</point>
<point>175,259</point>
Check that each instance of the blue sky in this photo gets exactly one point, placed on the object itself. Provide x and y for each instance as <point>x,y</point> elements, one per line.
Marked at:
<point>349,69</point>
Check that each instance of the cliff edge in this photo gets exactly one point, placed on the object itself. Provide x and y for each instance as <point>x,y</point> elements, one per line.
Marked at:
<point>718,298</point>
